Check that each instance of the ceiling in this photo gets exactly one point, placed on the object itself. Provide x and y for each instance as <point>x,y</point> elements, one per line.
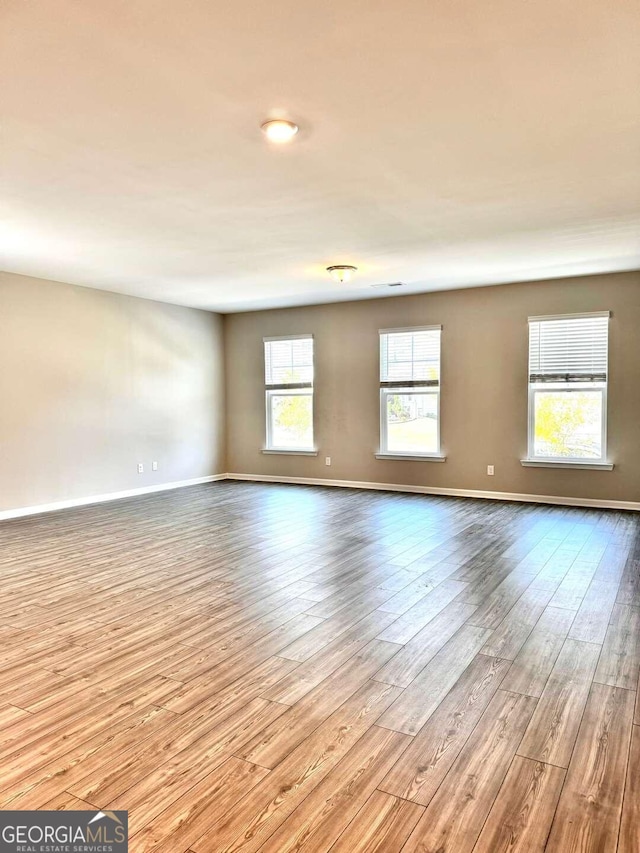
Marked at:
<point>443,144</point>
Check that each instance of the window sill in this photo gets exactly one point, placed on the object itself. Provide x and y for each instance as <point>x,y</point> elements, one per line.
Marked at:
<point>585,466</point>
<point>412,458</point>
<point>276,452</point>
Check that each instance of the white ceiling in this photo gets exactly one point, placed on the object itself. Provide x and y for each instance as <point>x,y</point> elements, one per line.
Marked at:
<point>444,144</point>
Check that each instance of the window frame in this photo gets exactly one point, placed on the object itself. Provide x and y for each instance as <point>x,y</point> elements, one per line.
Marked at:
<point>567,387</point>
<point>388,388</point>
<point>294,389</point>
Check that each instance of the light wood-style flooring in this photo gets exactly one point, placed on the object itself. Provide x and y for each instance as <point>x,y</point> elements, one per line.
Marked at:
<point>271,668</point>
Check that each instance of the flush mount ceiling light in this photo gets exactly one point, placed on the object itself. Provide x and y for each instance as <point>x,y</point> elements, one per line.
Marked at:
<point>279,130</point>
<point>342,272</point>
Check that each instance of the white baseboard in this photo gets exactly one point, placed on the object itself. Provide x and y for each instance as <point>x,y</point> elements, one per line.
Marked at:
<point>597,503</point>
<point>313,481</point>
<point>111,496</point>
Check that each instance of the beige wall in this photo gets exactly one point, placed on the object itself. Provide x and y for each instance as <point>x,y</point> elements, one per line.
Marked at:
<point>91,383</point>
<point>484,387</point>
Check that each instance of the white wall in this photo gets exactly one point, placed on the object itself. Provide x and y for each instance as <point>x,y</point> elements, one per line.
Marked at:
<point>91,383</point>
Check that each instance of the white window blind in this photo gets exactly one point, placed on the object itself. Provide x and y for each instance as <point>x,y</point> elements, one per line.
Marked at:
<point>568,349</point>
<point>288,362</point>
<point>410,358</point>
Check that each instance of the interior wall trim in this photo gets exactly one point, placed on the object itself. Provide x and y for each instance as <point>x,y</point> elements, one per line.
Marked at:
<point>111,496</point>
<point>597,503</point>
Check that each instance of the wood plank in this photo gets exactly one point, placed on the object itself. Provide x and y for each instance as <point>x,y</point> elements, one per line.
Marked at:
<point>592,618</point>
<point>629,841</point>
<point>228,670</point>
<point>270,745</point>
<point>588,814</point>
<point>495,606</point>
<point>619,664</point>
<point>37,737</point>
<point>180,755</point>
<point>418,701</point>
<point>454,818</point>
<point>629,590</point>
<point>521,817</point>
<point>574,586</point>
<point>512,633</point>
<point>206,690</point>
<point>427,761</point>
<point>308,675</point>
<point>27,784</point>
<point>346,625</point>
<point>406,626</point>
<point>348,598</point>
<point>407,664</point>
<point>66,802</point>
<point>326,812</point>
<point>9,713</point>
<point>552,732</point>
<point>190,816</point>
<point>534,662</point>
<point>406,598</point>
<point>247,825</point>
<point>383,824</point>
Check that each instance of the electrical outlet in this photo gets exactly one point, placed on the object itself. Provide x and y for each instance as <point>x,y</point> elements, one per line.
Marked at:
<point>327,460</point>
<point>490,470</point>
<point>154,466</point>
<point>140,468</point>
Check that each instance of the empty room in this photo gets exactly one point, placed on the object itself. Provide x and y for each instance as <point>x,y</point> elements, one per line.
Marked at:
<point>319,426</point>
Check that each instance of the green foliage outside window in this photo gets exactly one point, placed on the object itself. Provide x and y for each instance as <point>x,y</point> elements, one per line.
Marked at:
<point>294,410</point>
<point>565,424</point>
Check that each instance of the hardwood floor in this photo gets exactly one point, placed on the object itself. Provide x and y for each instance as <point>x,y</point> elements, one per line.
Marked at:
<point>273,668</point>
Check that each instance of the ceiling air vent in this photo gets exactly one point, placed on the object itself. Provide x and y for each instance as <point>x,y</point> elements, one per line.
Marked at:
<point>392,284</point>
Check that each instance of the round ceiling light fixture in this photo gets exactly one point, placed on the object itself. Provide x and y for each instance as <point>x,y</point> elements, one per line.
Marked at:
<point>279,130</point>
<point>342,273</point>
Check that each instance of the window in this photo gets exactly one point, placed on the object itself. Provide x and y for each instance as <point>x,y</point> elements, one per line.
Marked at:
<point>288,367</point>
<point>410,392</point>
<point>568,388</point>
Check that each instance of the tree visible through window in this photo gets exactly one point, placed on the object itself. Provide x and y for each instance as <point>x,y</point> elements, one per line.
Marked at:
<point>568,424</point>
